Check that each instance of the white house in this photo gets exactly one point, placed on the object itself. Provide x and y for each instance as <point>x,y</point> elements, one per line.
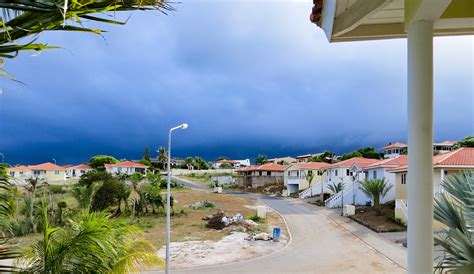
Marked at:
<point>379,170</point>
<point>126,167</point>
<point>394,149</point>
<point>233,163</point>
<point>350,173</point>
<point>295,176</point>
<point>282,160</point>
<point>77,171</point>
<point>443,147</point>
<point>19,173</point>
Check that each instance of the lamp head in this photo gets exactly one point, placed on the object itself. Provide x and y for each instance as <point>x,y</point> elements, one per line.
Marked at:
<point>184,126</point>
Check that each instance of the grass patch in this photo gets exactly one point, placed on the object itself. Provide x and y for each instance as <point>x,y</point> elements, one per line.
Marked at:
<point>257,219</point>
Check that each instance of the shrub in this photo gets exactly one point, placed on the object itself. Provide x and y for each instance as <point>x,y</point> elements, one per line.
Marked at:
<point>57,189</point>
<point>396,220</point>
<point>255,218</point>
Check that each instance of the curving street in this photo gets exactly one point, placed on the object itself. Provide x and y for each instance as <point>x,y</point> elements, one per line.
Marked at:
<point>322,242</point>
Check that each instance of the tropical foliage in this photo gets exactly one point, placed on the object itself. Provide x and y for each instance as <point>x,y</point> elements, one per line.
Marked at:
<point>98,161</point>
<point>7,210</point>
<point>261,159</point>
<point>376,189</point>
<point>336,187</point>
<point>93,242</point>
<point>327,157</point>
<point>22,19</point>
<point>466,142</point>
<point>366,152</point>
<point>455,209</point>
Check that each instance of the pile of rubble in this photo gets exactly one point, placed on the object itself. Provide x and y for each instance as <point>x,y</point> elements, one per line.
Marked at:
<point>221,221</point>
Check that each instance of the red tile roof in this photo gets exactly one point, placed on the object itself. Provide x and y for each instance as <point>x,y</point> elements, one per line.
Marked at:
<point>126,164</point>
<point>312,165</point>
<point>265,167</point>
<point>394,145</point>
<point>46,166</point>
<point>358,161</point>
<point>394,162</point>
<point>462,157</point>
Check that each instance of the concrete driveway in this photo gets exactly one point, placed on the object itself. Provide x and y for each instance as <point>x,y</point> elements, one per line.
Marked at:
<point>322,242</point>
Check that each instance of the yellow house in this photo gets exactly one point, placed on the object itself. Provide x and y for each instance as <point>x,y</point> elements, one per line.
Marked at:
<point>49,172</point>
<point>445,164</point>
<point>295,175</point>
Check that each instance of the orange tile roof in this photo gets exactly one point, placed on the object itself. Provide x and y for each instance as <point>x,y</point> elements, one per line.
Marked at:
<point>265,167</point>
<point>46,166</point>
<point>462,157</point>
<point>126,164</point>
<point>81,166</point>
<point>394,162</point>
<point>18,168</point>
<point>312,165</point>
<point>358,161</point>
<point>394,145</point>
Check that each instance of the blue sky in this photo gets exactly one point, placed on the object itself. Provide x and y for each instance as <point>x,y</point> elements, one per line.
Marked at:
<point>249,77</point>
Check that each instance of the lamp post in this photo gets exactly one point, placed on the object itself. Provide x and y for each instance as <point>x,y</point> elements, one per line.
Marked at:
<point>3,156</point>
<point>54,161</point>
<point>168,197</point>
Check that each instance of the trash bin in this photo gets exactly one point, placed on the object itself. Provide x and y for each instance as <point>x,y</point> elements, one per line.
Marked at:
<point>276,234</point>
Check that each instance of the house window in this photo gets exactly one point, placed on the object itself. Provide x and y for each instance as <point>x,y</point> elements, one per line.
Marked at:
<point>12,173</point>
<point>404,179</point>
<point>260,173</point>
<point>375,174</point>
<point>36,172</point>
<point>21,172</point>
<point>119,169</point>
<point>320,173</point>
<point>56,172</point>
<point>348,172</point>
<point>335,172</point>
<point>269,173</point>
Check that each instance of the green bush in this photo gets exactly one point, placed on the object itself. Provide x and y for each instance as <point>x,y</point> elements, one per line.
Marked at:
<point>57,189</point>
<point>255,218</point>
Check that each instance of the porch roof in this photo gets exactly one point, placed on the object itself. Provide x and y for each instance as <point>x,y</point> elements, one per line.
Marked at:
<point>353,20</point>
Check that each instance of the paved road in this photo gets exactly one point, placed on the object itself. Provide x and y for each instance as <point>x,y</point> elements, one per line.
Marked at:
<point>321,243</point>
<point>191,184</point>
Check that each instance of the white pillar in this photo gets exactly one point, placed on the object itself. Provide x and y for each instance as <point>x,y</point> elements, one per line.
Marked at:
<point>420,147</point>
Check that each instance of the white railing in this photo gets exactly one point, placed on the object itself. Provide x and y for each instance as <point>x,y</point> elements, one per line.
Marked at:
<point>313,190</point>
<point>336,200</point>
<point>401,207</point>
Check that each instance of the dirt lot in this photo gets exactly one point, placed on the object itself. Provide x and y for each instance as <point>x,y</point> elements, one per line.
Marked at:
<point>191,227</point>
<point>367,216</point>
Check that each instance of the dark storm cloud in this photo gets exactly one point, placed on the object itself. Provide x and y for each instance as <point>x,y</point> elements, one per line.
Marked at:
<point>247,76</point>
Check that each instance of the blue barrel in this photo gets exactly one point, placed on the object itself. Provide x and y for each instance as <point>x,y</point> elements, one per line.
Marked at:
<point>276,234</point>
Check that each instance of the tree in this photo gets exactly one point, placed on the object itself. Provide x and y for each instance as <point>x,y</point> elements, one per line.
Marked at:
<point>110,193</point>
<point>3,170</point>
<point>336,188</point>
<point>31,187</point>
<point>261,159</point>
<point>189,162</point>
<point>226,166</point>
<point>162,157</point>
<point>22,19</point>
<point>222,158</point>
<point>146,154</point>
<point>366,152</point>
<point>376,189</point>
<point>84,195</point>
<point>200,164</point>
<point>93,242</point>
<point>309,178</point>
<point>455,210</point>
<point>98,161</point>
<point>326,157</point>
<point>468,141</point>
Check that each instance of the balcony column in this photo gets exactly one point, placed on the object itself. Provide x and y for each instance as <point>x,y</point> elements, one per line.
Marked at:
<point>420,146</point>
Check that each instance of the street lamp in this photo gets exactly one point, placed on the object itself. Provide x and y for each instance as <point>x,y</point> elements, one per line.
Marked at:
<point>54,161</point>
<point>3,156</point>
<point>168,198</point>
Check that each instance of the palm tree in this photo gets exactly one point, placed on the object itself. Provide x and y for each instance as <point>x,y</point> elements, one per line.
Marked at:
<point>455,210</point>
<point>29,18</point>
<point>336,188</point>
<point>85,195</point>
<point>376,189</point>
<point>7,211</point>
<point>189,162</point>
<point>261,159</point>
<point>92,243</point>
<point>162,157</point>
<point>31,187</point>
<point>309,178</point>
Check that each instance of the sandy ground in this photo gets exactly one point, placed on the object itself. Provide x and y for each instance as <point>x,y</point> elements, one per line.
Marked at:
<point>231,248</point>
